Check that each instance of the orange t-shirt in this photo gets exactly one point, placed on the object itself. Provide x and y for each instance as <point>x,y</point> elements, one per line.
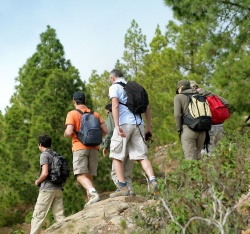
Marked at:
<point>74,118</point>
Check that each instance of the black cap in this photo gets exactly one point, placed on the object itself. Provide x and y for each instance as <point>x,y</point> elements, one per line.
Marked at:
<point>79,96</point>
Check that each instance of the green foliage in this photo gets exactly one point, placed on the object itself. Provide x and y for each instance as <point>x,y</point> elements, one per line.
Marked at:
<point>103,181</point>
<point>198,195</point>
<point>135,48</point>
<point>193,189</point>
<point>209,45</point>
<point>98,86</point>
<point>42,99</point>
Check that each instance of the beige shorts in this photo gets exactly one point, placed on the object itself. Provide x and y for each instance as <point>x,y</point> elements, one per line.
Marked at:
<point>85,161</point>
<point>136,147</point>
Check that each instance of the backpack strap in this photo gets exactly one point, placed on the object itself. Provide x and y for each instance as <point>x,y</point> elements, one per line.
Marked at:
<point>137,125</point>
<point>82,113</point>
<point>123,85</point>
<point>91,111</point>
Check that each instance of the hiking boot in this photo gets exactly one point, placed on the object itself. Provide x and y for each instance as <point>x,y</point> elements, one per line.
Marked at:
<point>94,197</point>
<point>153,186</point>
<point>120,191</point>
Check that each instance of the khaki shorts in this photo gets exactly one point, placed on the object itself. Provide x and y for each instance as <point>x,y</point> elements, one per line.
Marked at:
<point>85,161</point>
<point>136,147</point>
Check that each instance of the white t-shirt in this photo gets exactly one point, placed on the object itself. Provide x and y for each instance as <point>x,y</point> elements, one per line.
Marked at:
<point>125,115</point>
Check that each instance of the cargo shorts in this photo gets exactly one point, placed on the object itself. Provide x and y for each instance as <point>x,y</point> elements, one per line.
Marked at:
<point>134,142</point>
<point>85,161</point>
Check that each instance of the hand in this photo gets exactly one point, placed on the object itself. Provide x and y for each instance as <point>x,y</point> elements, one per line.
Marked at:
<point>104,152</point>
<point>148,136</point>
<point>37,183</point>
<point>121,132</point>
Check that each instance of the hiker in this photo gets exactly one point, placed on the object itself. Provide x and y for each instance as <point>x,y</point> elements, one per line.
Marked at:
<point>50,194</point>
<point>192,141</point>
<point>127,163</point>
<point>128,135</point>
<point>85,158</point>
<point>217,131</point>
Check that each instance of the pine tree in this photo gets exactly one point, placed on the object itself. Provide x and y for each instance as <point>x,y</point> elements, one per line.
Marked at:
<point>228,25</point>
<point>98,86</point>
<point>159,74</point>
<point>135,48</point>
<point>43,97</point>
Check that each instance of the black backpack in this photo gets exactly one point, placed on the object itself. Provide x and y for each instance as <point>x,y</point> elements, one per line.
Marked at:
<point>137,101</point>
<point>90,133</point>
<point>199,116</point>
<point>59,169</point>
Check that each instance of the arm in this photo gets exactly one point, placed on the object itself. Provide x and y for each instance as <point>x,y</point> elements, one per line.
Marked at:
<point>107,140</point>
<point>110,126</point>
<point>148,120</point>
<point>43,175</point>
<point>177,113</point>
<point>104,129</point>
<point>69,130</point>
<point>115,112</point>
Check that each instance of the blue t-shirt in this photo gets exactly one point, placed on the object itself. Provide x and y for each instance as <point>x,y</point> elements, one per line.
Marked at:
<point>125,115</point>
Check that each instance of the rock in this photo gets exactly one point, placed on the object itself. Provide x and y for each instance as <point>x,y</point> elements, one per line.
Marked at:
<point>112,215</point>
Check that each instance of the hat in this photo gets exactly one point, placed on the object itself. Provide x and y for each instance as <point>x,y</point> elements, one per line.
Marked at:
<point>182,83</point>
<point>193,83</point>
<point>79,96</point>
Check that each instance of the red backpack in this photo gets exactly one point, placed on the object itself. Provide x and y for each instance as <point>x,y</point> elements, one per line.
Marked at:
<point>219,111</point>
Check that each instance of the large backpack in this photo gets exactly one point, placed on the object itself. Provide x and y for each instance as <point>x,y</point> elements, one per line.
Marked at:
<point>219,111</point>
<point>199,115</point>
<point>137,101</point>
<point>59,169</point>
<point>90,133</point>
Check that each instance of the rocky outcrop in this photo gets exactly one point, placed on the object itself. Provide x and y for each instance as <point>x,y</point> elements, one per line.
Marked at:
<point>112,215</point>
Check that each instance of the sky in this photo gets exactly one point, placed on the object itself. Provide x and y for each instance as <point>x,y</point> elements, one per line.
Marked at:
<point>91,31</point>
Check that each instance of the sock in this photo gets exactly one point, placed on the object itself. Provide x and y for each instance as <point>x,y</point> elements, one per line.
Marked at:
<point>122,184</point>
<point>92,190</point>
<point>151,179</point>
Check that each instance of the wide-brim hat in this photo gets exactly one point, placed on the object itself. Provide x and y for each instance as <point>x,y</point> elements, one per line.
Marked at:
<point>182,83</point>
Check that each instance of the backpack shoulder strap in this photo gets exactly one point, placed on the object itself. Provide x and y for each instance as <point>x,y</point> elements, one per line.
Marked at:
<point>82,113</point>
<point>79,111</point>
<point>121,83</point>
<point>91,111</point>
<point>51,152</point>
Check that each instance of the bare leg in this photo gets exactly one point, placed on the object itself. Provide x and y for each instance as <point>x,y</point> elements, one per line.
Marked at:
<point>119,170</point>
<point>86,181</point>
<point>147,167</point>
